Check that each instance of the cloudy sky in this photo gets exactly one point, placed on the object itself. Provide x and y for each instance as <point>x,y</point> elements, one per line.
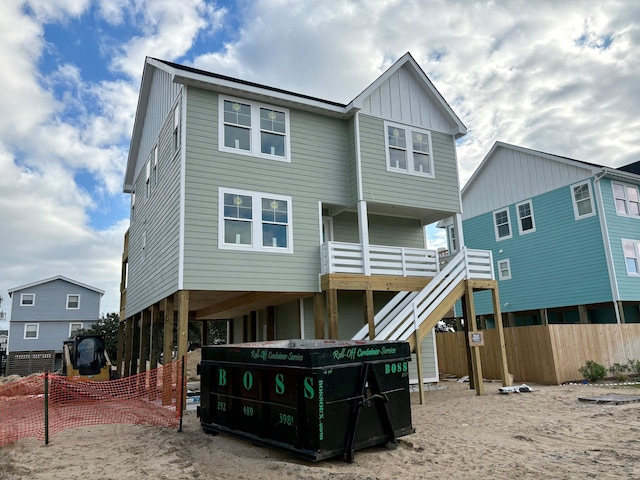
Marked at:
<point>557,76</point>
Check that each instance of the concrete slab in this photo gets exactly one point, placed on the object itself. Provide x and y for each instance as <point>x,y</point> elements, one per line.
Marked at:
<point>612,398</point>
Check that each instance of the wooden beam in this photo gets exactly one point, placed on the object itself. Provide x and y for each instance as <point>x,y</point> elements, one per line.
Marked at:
<point>245,300</point>
<point>169,325</point>
<point>154,349</point>
<point>483,284</point>
<point>476,363</point>
<point>145,340</point>
<point>332,298</point>
<point>418,350</point>
<point>544,316</point>
<point>621,311</point>
<point>382,283</point>
<point>318,315</point>
<point>497,315</point>
<point>369,313</point>
<point>582,312</point>
<point>183,322</point>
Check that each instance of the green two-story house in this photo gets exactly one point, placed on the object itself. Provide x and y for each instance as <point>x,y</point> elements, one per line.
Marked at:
<point>285,215</point>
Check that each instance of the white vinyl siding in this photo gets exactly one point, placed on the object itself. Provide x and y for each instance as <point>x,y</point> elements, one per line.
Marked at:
<point>631,249</point>
<point>526,222</point>
<point>27,299</point>
<point>504,269</point>
<point>31,331</point>
<point>408,150</point>
<point>255,221</point>
<point>252,128</point>
<point>502,224</point>
<point>73,301</point>
<point>626,199</point>
<point>582,200</point>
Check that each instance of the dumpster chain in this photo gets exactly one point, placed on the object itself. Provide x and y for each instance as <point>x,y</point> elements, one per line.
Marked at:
<point>380,399</point>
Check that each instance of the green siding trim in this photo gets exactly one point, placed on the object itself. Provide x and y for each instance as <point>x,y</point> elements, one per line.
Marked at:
<point>381,186</point>
<point>383,230</point>
<point>319,171</point>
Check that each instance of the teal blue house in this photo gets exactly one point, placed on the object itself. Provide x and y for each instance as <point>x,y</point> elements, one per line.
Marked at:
<point>281,214</point>
<point>564,236</point>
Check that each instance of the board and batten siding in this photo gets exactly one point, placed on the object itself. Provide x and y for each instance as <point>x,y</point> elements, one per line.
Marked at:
<point>318,171</point>
<point>382,186</point>
<point>158,216</point>
<point>562,263</point>
<point>620,227</point>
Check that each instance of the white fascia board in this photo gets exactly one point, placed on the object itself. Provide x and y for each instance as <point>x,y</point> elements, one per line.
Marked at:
<point>621,175</point>
<point>51,279</point>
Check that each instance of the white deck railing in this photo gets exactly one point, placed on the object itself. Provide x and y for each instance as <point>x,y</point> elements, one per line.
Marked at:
<point>341,257</point>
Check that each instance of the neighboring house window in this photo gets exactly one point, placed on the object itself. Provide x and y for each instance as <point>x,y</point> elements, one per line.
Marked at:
<point>255,221</point>
<point>176,129</point>
<point>73,302</point>
<point>27,299</point>
<point>408,150</point>
<point>582,200</point>
<point>133,204</point>
<point>147,181</point>
<point>631,249</point>
<point>144,246</point>
<point>526,223</point>
<point>74,329</point>
<point>254,129</point>
<point>627,199</point>
<point>502,224</point>
<point>31,331</point>
<point>504,269</point>
<point>155,166</point>
<point>453,242</point>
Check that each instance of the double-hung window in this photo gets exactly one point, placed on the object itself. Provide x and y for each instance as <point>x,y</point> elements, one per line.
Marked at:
<point>408,150</point>
<point>73,302</point>
<point>502,224</point>
<point>254,221</point>
<point>74,329</point>
<point>254,129</point>
<point>27,299</point>
<point>526,223</point>
<point>582,200</point>
<point>504,269</point>
<point>627,199</point>
<point>31,331</point>
<point>631,249</point>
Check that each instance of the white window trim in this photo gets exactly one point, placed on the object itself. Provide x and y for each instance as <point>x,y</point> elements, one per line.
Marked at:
<point>25,331</point>
<point>22,295</point>
<point>73,295</point>
<point>452,240</point>
<point>155,166</point>
<point>575,205</point>
<point>495,225</point>
<point>626,198</point>
<point>71,329</point>
<point>504,277</point>
<point>409,170</point>
<point>256,222</point>
<point>133,204</point>
<point>255,148</point>
<point>636,247</point>
<point>533,219</point>
<point>148,179</point>
<point>175,134</point>
<point>144,246</point>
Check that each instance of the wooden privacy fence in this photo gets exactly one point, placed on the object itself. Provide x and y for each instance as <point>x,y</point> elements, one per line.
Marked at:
<point>548,354</point>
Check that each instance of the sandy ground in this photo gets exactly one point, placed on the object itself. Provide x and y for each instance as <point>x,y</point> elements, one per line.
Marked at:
<point>547,433</point>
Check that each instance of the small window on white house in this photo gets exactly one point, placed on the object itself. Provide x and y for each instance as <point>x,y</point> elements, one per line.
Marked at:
<point>453,241</point>
<point>27,299</point>
<point>582,200</point>
<point>133,204</point>
<point>526,223</point>
<point>155,166</point>
<point>147,181</point>
<point>73,302</point>
<point>144,246</point>
<point>627,199</point>
<point>255,221</point>
<point>504,269</point>
<point>254,129</point>
<point>31,331</point>
<point>631,249</point>
<point>74,329</point>
<point>408,150</point>
<point>502,224</point>
<point>176,129</point>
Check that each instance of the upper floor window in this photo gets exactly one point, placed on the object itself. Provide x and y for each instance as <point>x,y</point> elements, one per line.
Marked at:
<point>133,204</point>
<point>526,223</point>
<point>147,181</point>
<point>453,241</point>
<point>582,200</point>
<point>504,269</point>
<point>154,171</point>
<point>631,249</point>
<point>73,302</point>
<point>27,299</point>
<point>143,253</point>
<point>254,221</point>
<point>408,150</point>
<point>74,329</point>
<point>176,129</point>
<point>627,199</point>
<point>502,224</point>
<point>31,331</point>
<point>254,129</point>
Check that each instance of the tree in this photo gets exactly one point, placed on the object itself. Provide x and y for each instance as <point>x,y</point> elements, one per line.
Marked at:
<point>107,325</point>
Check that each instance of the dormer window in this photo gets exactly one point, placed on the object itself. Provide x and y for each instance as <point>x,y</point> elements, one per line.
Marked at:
<point>408,150</point>
<point>254,129</point>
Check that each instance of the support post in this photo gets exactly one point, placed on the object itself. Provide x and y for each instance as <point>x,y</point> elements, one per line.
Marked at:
<point>120,348</point>
<point>128,347</point>
<point>271,323</point>
<point>183,322</point>
<point>332,299</point>
<point>497,315</point>
<point>318,314</point>
<point>154,348</point>
<point>205,332</point>
<point>167,352</point>
<point>582,312</point>
<point>476,364</point>
<point>419,365</point>
<point>145,324</point>
<point>369,313</point>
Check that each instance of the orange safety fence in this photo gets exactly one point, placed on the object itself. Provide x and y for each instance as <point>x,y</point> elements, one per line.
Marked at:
<point>150,398</point>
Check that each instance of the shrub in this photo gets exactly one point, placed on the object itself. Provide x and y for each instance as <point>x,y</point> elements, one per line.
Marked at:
<point>634,367</point>
<point>621,372</point>
<point>592,371</point>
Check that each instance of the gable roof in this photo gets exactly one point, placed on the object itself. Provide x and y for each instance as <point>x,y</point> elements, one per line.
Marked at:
<point>631,168</point>
<point>185,75</point>
<point>58,277</point>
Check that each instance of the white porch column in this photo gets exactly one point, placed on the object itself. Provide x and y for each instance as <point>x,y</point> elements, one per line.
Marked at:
<point>457,225</point>
<point>363,226</point>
